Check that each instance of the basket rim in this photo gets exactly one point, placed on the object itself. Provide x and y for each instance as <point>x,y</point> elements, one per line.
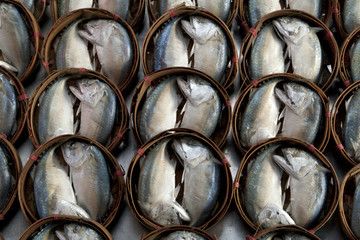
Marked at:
<point>178,228</point>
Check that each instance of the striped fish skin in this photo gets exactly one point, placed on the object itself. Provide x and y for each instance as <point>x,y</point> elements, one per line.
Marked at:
<point>259,8</point>
<point>183,235</point>
<point>355,214</point>
<point>65,6</point>
<point>351,17</point>
<point>6,184</point>
<point>119,7</point>
<point>352,127</point>
<point>8,106</point>
<point>310,6</point>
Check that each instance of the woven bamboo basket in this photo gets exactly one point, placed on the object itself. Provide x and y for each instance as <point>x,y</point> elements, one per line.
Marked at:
<point>139,96</point>
<point>39,9</point>
<point>74,74</point>
<point>328,43</point>
<point>61,220</point>
<point>154,12</point>
<point>26,183</point>
<point>34,35</point>
<point>15,170</point>
<point>48,50</point>
<point>333,184</point>
<point>147,54</point>
<point>283,230</point>
<point>165,231</point>
<point>134,171</point>
<point>338,15</point>
<point>323,135</point>
<point>136,10</point>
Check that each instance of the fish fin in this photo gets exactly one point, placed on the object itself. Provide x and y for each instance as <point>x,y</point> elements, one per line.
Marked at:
<point>68,208</point>
<point>316,29</point>
<point>272,215</point>
<point>8,66</point>
<point>176,191</point>
<point>77,93</point>
<point>287,66</point>
<point>60,235</point>
<point>188,28</point>
<point>182,212</point>
<point>89,37</point>
<point>282,96</point>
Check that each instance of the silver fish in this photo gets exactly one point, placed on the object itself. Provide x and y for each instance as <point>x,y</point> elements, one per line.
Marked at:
<point>8,106</point>
<point>113,47</point>
<point>160,109</point>
<point>310,6</point>
<point>183,235</point>
<point>171,47</point>
<point>355,61</point>
<point>260,119</point>
<point>351,17</point>
<point>259,8</point>
<point>5,178</point>
<point>295,236</point>
<point>202,179</point>
<point>219,8</point>
<point>166,5</point>
<point>302,113</point>
<point>76,231</point>
<point>303,46</point>
<point>202,108</point>
<point>47,233</point>
<point>55,119</point>
<point>53,190</point>
<point>352,127</point>
<point>156,187</point>
<point>119,7</point>
<point>208,35</point>
<point>29,4</point>
<point>355,214</point>
<point>15,47</point>
<point>97,108</point>
<point>266,55</point>
<point>65,6</point>
<point>263,193</point>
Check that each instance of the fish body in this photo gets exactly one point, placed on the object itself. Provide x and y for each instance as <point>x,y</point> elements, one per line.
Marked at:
<point>183,235</point>
<point>295,236</point>
<point>259,8</point>
<point>8,106</point>
<point>355,214</point>
<point>351,17</point>
<point>29,4</point>
<point>166,5</point>
<point>119,7</point>
<point>355,61</point>
<point>352,127</point>
<point>310,6</point>
<point>219,8</point>
<point>65,6</point>
<point>75,231</point>
<point>5,179</point>
<point>47,233</point>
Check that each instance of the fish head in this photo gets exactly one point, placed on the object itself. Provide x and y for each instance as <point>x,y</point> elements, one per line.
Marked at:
<point>291,29</point>
<point>90,91</point>
<point>190,151</point>
<point>273,215</point>
<point>295,96</point>
<point>196,90</point>
<point>76,153</point>
<point>202,30</point>
<point>79,232</point>
<point>163,213</point>
<point>97,31</point>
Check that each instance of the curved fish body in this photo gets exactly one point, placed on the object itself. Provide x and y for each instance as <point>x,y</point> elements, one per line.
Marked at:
<point>260,119</point>
<point>259,8</point>
<point>156,187</point>
<point>160,109</point>
<point>53,191</point>
<point>55,119</point>
<point>310,6</point>
<point>65,6</point>
<point>355,61</point>
<point>47,233</point>
<point>15,41</point>
<point>75,231</point>
<point>89,176</point>
<point>303,45</point>
<point>72,50</point>
<point>166,5</point>
<point>202,108</point>
<point>219,8</point>
<point>352,127</point>
<point>98,109</point>
<point>8,106</point>
<point>208,35</point>
<point>119,7</point>
<point>302,113</point>
<point>29,4</point>
<point>263,193</point>
<point>351,17</point>
<point>355,214</point>
<point>171,47</point>
<point>113,47</point>
<point>202,179</point>
<point>266,53</point>
<point>295,236</point>
<point>5,178</point>
<point>183,235</point>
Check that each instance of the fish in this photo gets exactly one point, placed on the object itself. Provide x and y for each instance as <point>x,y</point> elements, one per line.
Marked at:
<point>15,44</point>
<point>6,179</point>
<point>355,214</point>
<point>260,118</point>
<point>119,7</point>
<point>166,5</point>
<point>295,236</point>
<point>76,231</point>
<point>308,185</point>
<point>355,61</point>
<point>89,176</point>
<point>97,109</point>
<point>47,233</point>
<point>8,106</point>
<point>113,47</point>
<point>171,46</point>
<point>72,50</point>
<point>183,235</point>
<point>55,119</point>
<point>160,109</point>
<point>263,194</point>
<point>203,106</point>
<point>266,55</point>
<point>29,4</point>
<point>219,8</point>
<point>156,187</point>
<point>208,35</point>
<point>65,6</point>
<point>259,8</point>
<point>303,46</point>
<point>302,112</point>
<point>351,18</point>
<point>53,190</point>
<point>310,6</point>
<point>351,130</point>
<point>202,179</point>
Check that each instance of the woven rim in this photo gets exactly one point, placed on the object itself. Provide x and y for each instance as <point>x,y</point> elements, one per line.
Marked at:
<point>121,124</point>
<point>287,228</point>
<point>25,188</point>
<point>147,47</point>
<point>167,230</point>
<point>133,170</point>
<point>48,52</point>
<point>39,9</point>
<point>337,15</point>
<point>222,130</point>
<point>329,45</point>
<point>65,219</point>
<point>331,204</point>
<point>323,136</point>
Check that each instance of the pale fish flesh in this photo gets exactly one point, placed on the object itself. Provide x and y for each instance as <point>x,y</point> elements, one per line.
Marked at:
<point>29,4</point>
<point>5,179</point>
<point>65,6</point>
<point>97,108</point>
<point>76,231</point>
<point>310,6</point>
<point>355,61</point>
<point>351,16</point>
<point>259,8</point>
<point>119,7</point>
<point>156,187</point>
<point>8,106</point>
<point>355,214</point>
<point>208,35</point>
<point>166,5</point>
<point>219,8</point>
<point>15,48</point>
<point>183,235</point>
<point>55,119</point>
<point>352,127</point>
<point>202,108</point>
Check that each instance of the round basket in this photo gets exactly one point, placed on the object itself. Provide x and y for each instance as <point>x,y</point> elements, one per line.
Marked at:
<point>48,51</point>
<point>74,74</point>
<point>15,170</point>
<point>323,135</point>
<point>154,12</point>
<point>139,96</point>
<point>333,184</point>
<point>39,225</point>
<point>134,170</point>
<point>34,35</point>
<point>328,43</point>
<point>165,231</point>
<point>338,7</point>
<point>283,230</point>
<point>148,46</point>
<point>26,184</point>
